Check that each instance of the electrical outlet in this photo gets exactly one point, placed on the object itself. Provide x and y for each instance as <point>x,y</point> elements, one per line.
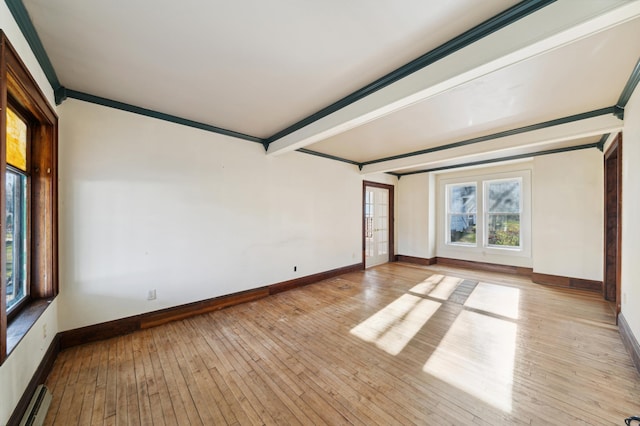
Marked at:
<point>151,295</point>
<point>44,331</point>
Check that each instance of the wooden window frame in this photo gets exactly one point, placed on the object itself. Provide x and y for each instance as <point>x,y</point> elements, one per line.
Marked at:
<point>19,90</point>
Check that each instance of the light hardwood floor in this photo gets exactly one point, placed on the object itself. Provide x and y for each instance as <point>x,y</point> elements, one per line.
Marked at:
<point>396,344</point>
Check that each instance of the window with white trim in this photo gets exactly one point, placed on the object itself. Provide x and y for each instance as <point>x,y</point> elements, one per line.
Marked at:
<point>502,213</point>
<point>485,215</point>
<point>462,214</point>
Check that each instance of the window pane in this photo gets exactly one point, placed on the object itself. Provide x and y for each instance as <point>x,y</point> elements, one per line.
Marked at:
<point>368,213</point>
<point>462,228</point>
<point>382,248</point>
<point>504,197</point>
<point>462,199</point>
<point>16,141</point>
<point>16,238</point>
<point>503,230</point>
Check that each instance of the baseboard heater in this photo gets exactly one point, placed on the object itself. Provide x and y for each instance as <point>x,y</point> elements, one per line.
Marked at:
<point>38,407</point>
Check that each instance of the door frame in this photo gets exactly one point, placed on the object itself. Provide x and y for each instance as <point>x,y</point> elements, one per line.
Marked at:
<point>390,225</point>
<point>607,287</point>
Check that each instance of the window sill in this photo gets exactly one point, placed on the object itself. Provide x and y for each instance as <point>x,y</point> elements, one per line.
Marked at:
<point>488,248</point>
<point>20,325</point>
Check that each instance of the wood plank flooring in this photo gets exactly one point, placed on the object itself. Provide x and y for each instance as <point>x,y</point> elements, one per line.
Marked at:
<point>396,344</point>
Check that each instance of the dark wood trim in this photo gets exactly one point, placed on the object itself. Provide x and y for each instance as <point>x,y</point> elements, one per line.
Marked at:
<point>96,332</point>
<point>23,86</point>
<point>416,260</point>
<point>39,377</point>
<point>483,266</point>
<point>130,324</point>
<point>613,252</point>
<point>18,87</point>
<point>20,324</point>
<point>567,282</point>
<point>391,224</point>
<point>310,279</point>
<point>363,225</point>
<point>612,147</point>
<point>121,326</point>
<point>536,277</point>
<point>3,160</point>
<point>153,319</point>
<point>629,340</point>
<point>156,318</point>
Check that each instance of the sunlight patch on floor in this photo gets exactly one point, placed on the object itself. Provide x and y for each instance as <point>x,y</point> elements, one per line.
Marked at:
<point>437,286</point>
<point>393,327</point>
<point>496,299</point>
<point>477,356</point>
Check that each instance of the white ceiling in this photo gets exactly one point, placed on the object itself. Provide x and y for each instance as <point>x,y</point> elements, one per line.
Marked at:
<point>580,77</point>
<point>257,67</point>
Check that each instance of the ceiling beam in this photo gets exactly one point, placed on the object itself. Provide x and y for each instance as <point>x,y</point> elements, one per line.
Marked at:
<point>511,132</point>
<point>567,131</point>
<point>491,25</point>
<point>547,29</point>
<point>501,159</point>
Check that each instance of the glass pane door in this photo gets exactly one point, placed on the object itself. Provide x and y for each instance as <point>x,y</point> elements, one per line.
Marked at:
<point>376,217</point>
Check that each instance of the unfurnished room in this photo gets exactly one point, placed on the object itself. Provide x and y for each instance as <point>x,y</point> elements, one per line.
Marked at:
<point>331,212</point>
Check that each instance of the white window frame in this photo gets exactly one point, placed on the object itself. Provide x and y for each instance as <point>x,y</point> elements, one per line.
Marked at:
<point>486,213</point>
<point>449,213</point>
<point>481,251</point>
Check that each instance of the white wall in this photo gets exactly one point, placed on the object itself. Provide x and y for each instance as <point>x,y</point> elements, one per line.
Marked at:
<point>17,370</point>
<point>631,213</point>
<point>146,204</point>
<point>564,186</point>
<point>416,216</point>
<point>22,363</point>
<point>568,214</point>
